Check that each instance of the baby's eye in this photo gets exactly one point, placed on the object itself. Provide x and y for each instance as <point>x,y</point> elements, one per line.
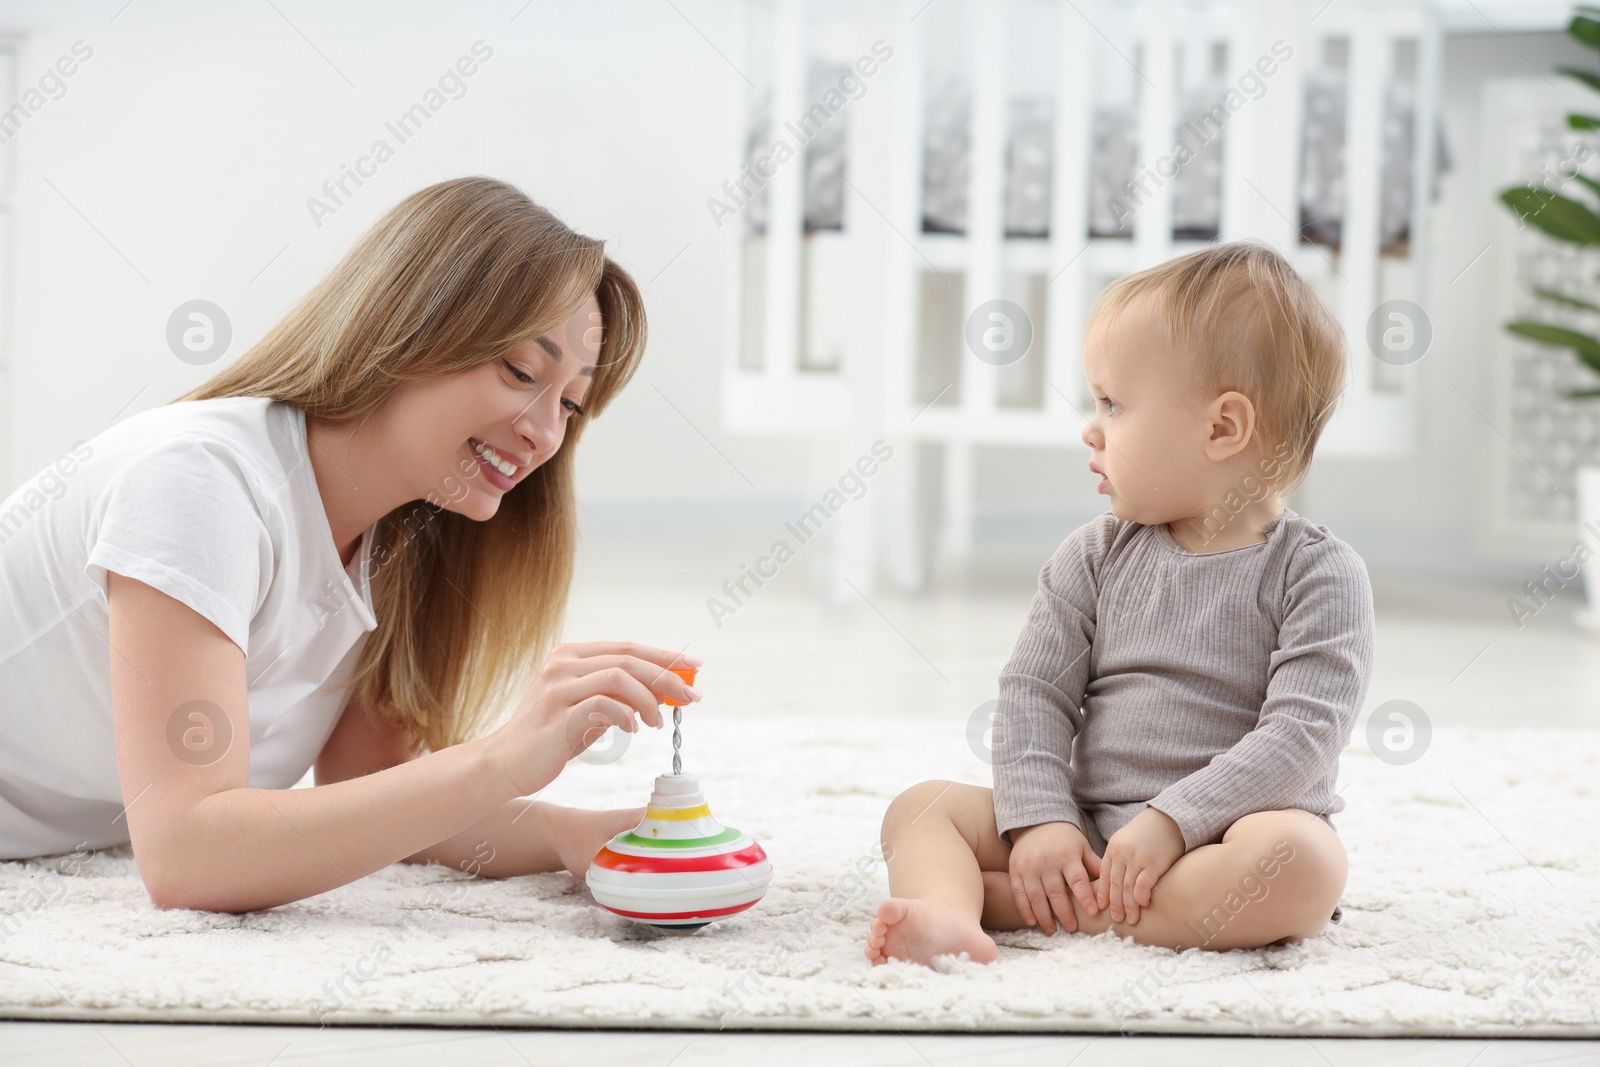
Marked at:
<point>1112,407</point>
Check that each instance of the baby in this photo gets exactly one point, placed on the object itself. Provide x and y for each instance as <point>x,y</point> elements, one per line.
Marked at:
<point>1171,718</point>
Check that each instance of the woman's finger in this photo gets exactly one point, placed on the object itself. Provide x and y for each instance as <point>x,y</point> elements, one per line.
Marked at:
<point>659,656</point>
<point>661,682</point>
<point>616,683</point>
<point>589,719</point>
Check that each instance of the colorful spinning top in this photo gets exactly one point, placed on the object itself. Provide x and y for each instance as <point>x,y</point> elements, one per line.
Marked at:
<point>679,868</point>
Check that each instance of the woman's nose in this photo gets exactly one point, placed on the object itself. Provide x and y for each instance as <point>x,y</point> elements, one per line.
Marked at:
<point>542,431</point>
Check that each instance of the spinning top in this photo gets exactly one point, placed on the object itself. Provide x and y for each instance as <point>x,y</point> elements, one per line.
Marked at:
<point>679,868</point>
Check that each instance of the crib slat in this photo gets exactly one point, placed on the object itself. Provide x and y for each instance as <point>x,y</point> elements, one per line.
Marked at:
<point>903,207</point>
<point>1069,260</point>
<point>1366,72</point>
<point>1152,224</point>
<point>980,381</point>
<point>985,203</point>
<point>1261,165</point>
<point>785,198</point>
<point>1370,422</point>
<point>1430,48</point>
<point>734,232</point>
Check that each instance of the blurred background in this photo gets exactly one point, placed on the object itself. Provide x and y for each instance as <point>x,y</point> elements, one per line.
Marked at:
<point>868,234</point>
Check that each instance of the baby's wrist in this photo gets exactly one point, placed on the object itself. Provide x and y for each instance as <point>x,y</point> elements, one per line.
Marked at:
<point>1017,833</point>
<point>1168,823</point>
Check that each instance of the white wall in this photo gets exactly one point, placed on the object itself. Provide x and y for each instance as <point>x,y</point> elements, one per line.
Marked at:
<point>194,136</point>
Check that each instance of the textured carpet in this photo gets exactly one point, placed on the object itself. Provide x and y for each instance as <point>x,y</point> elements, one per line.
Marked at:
<point>1473,907</point>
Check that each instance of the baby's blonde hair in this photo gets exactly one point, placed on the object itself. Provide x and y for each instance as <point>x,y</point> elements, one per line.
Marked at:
<point>1252,325</point>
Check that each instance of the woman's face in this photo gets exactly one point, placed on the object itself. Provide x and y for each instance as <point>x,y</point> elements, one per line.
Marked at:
<point>472,436</point>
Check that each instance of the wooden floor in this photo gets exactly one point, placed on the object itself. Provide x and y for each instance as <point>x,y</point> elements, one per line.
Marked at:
<point>1448,646</point>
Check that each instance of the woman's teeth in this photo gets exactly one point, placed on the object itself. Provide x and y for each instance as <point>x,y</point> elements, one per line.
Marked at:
<point>502,465</point>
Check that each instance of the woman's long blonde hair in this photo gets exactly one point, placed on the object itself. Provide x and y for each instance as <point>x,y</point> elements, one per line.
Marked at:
<point>448,279</point>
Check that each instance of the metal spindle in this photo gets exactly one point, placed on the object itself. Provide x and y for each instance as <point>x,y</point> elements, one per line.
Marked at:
<point>677,739</point>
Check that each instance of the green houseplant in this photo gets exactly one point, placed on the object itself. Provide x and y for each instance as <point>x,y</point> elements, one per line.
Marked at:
<point>1565,219</point>
<point>1575,222</point>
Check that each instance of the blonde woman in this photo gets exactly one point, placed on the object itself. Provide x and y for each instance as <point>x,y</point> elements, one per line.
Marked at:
<point>350,550</point>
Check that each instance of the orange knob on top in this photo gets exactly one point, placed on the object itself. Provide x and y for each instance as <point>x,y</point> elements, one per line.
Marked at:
<point>687,674</point>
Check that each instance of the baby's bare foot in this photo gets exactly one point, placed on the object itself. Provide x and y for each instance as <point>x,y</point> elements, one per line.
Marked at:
<point>919,930</point>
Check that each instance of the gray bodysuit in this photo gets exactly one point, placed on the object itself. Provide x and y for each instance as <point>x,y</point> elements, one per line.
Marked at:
<point>1208,685</point>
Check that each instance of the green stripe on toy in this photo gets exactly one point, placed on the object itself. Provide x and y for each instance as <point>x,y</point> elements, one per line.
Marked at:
<point>631,838</point>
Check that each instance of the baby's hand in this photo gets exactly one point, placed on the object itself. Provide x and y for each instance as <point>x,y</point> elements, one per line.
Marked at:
<point>1045,860</point>
<point>1136,857</point>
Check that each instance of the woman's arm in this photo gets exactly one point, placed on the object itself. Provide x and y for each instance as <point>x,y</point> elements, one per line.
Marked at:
<point>201,836</point>
<point>513,839</point>
<point>204,839</point>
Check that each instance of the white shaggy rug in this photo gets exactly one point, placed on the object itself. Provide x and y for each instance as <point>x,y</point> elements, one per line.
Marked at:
<point>1473,907</point>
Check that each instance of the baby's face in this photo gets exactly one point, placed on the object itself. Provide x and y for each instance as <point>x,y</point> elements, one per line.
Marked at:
<point>1150,422</point>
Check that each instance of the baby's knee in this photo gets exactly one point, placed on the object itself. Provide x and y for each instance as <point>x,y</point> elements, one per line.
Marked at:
<point>1309,877</point>
<point>929,799</point>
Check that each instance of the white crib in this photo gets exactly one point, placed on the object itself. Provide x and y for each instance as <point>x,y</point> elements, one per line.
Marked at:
<point>844,335</point>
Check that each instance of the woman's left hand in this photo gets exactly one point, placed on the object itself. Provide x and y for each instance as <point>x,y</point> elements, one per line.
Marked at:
<point>1136,857</point>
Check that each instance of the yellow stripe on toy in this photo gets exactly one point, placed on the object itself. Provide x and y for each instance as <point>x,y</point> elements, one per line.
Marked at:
<point>699,811</point>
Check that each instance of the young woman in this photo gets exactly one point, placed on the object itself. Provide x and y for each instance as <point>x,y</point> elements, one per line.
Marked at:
<point>349,550</point>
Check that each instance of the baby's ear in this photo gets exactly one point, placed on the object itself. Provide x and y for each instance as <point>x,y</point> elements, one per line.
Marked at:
<point>1233,425</point>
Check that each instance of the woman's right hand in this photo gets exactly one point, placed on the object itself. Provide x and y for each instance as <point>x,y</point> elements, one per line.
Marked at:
<point>582,689</point>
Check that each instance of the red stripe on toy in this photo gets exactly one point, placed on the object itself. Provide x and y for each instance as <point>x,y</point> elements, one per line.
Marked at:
<point>616,861</point>
<point>652,916</point>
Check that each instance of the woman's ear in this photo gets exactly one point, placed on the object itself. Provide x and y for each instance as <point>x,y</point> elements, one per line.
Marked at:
<point>1233,425</point>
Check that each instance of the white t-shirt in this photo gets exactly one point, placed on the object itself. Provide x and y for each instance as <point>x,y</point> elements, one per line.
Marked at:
<point>213,502</point>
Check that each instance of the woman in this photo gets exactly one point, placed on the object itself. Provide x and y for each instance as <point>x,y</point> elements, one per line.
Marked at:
<point>327,556</point>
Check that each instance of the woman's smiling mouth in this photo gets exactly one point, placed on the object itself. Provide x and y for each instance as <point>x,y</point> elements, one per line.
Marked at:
<point>497,469</point>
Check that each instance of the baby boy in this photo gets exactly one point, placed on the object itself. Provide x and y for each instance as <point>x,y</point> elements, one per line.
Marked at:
<point>1170,720</point>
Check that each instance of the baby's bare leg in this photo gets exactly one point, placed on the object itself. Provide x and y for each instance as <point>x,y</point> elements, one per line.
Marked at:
<point>938,839</point>
<point>1275,876</point>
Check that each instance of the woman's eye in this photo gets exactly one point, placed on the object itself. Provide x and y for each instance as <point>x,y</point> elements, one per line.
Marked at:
<point>521,377</point>
<point>572,406</point>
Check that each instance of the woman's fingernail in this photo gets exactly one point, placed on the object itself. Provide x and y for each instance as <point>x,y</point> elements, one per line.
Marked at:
<point>693,661</point>
<point>693,692</point>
